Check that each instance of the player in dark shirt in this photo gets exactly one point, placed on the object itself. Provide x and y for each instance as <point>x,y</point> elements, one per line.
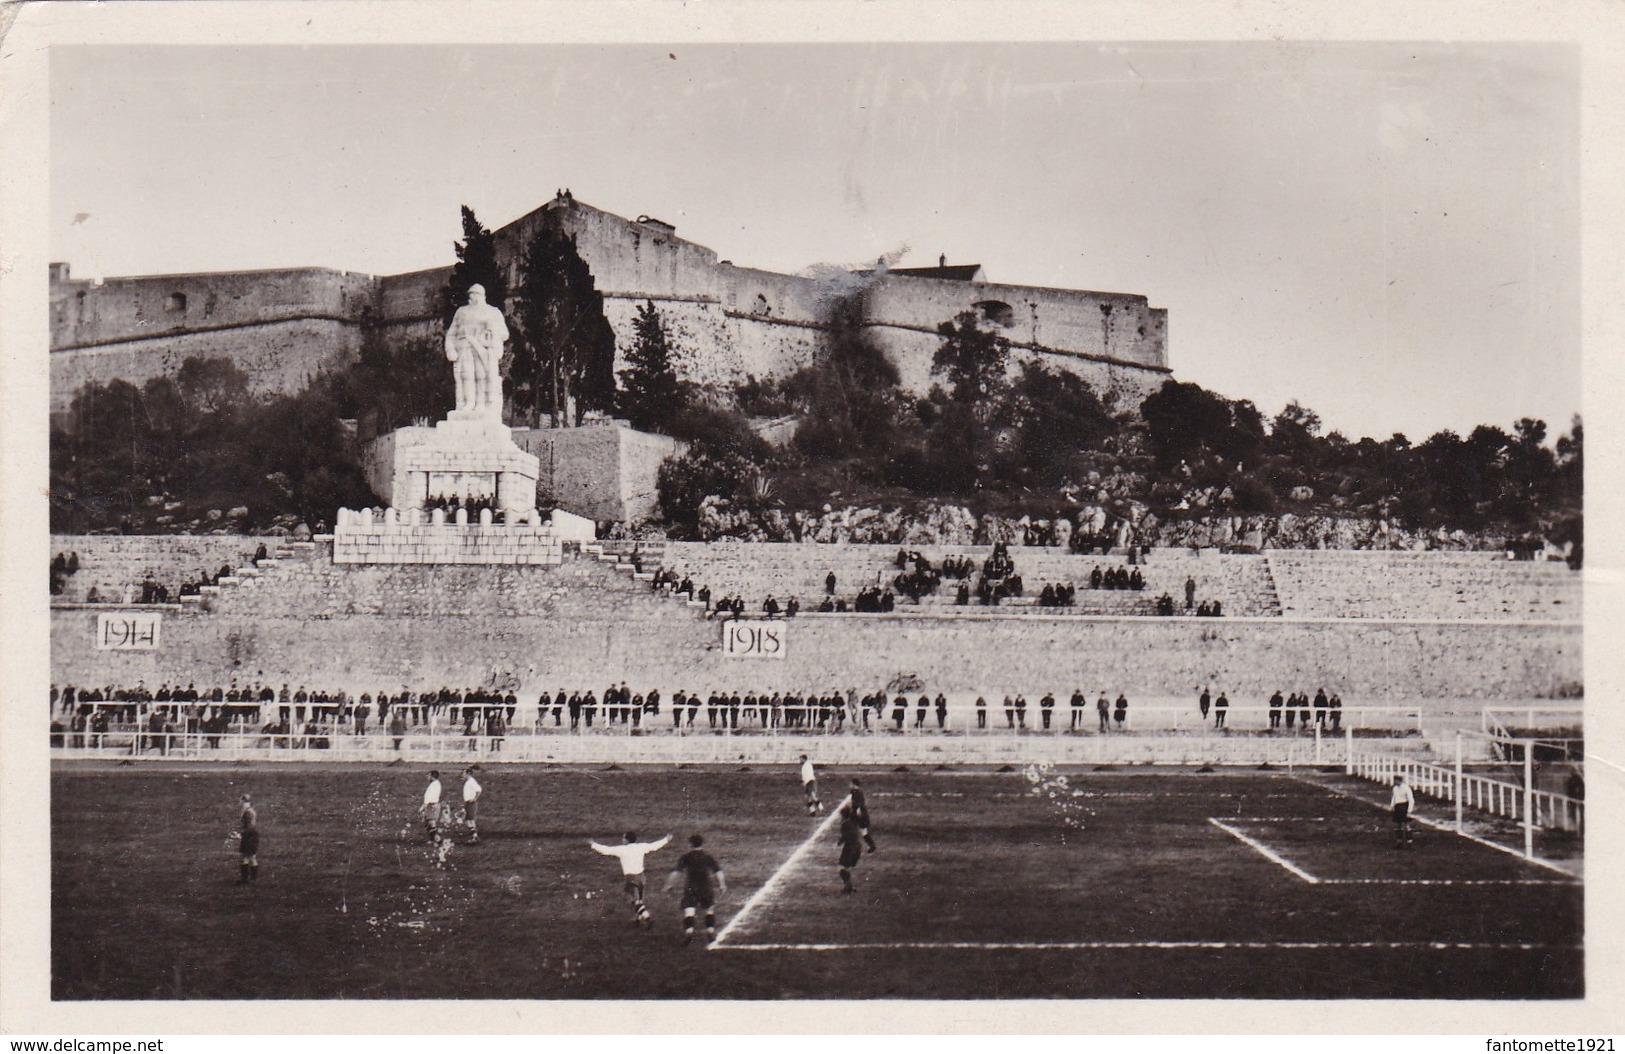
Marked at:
<point>249,842</point>
<point>860,813</point>
<point>850,841</point>
<point>703,882</point>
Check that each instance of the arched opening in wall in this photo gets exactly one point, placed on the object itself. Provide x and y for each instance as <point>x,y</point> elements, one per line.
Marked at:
<point>176,304</point>
<point>997,312</point>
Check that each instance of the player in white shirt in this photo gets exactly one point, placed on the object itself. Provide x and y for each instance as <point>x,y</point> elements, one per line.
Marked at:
<point>809,787</point>
<point>1401,801</point>
<point>631,853</point>
<point>471,798</point>
<point>430,809</point>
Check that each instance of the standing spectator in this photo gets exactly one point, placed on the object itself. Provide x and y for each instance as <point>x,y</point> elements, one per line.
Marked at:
<point>1336,708</point>
<point>1204,702</point>
<point>942,710</point>
<point>921,708</point>
<point>1103,710</point>
<point>981,711</point>
<point>1321,706</point>
<point>1190,593</point>
<point>1120,710</point>
<point>1021,710</point>
<point>1221,707</point>
<point>1046,707</point>
<point>1077,702</point>
<point>397,726</point>
<point>496,728</point>
<point>1275,710</point>
<point>829,584</point>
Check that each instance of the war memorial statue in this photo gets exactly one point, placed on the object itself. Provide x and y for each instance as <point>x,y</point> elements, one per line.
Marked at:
<point>474,342</point>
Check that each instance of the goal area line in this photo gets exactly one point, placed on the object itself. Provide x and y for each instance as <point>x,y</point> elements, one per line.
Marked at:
<point>1282,862</point>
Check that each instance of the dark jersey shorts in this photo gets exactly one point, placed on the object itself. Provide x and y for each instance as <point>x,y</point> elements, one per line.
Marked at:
<point>251,842</point>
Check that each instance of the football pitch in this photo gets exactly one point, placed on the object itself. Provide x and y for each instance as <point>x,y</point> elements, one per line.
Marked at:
<point>1054,883</point>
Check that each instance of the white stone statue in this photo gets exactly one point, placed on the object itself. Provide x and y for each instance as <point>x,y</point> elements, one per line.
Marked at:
<point>474,345</point>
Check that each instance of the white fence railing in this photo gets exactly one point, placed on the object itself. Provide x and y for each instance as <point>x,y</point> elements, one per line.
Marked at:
<point>1521,802</point>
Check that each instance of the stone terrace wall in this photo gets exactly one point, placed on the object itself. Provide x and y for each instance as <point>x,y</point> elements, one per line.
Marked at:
<point>756,569</point>
<point>603,472</point>
<point>1354,584</point>
<point>582,624</point>
<point>110,562</point>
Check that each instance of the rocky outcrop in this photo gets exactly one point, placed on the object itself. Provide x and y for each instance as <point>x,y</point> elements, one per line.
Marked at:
<point>957,525</point>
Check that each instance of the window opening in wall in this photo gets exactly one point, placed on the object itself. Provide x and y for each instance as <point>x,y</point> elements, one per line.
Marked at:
<point>997,312</point>
<point>176,304</point>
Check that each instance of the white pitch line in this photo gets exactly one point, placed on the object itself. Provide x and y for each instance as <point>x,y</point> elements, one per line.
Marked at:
<point>776,877</point>
<point>1151,945</point>
<point>1268,853</point>
<point>1451,829</point>
<point>1446,882</point>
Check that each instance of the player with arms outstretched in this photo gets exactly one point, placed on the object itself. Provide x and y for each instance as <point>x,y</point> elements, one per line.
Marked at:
<point>703,882</point>
<point>631,853</point>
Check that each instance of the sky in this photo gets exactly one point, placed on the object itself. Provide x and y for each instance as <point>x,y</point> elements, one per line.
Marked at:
<point>1387,233</point>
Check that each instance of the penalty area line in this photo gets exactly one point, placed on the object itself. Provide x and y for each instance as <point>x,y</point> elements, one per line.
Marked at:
<point>776,878</point>
<point>1265,851</point>
<point>1151,945</point>
<point>1450,828</point>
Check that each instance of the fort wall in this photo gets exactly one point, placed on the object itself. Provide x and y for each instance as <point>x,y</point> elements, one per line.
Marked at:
<point>277,356</point>
<point>88,314</point>
<point>727,322</point>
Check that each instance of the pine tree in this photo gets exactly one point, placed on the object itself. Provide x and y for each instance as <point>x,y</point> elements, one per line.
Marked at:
<point>476,265</point>
<point>972,360</point>
<point>564,359</point>
<point>649,393</point>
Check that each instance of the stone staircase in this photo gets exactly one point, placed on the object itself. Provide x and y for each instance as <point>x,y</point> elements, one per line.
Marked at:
<point>1425,585</point>
<point>278,561</point>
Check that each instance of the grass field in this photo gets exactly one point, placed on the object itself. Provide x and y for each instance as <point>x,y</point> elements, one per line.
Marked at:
<point>987,885</point>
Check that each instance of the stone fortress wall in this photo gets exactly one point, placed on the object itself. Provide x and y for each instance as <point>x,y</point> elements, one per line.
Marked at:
<point>280,327</point>
<point>725,322</point>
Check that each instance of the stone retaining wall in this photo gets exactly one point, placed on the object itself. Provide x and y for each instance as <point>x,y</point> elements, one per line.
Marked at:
<point>582,625</point>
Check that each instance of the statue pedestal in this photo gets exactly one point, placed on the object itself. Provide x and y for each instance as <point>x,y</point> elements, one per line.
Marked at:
<point>470,456</point>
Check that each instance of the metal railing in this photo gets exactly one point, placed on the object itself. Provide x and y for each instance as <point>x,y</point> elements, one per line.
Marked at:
<point>1521,802</point>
